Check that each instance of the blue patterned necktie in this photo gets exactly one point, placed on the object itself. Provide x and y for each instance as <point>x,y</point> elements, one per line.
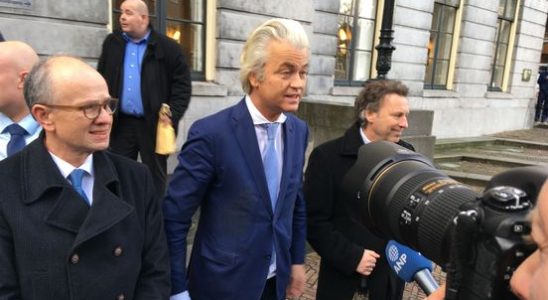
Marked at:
<point>271,163</point>
<point>17,139</point>
<point>76,180</point>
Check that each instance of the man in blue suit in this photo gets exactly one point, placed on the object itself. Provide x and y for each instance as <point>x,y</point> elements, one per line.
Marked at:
<point>243,167</point>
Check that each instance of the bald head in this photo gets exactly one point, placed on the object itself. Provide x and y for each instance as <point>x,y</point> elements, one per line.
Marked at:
<point>138,5</point>
<point>53,76</point>
<point>16,60</point>
<point>19,54</point>
<point>134,19</point>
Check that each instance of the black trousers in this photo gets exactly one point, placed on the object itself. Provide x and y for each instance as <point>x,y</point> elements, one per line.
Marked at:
<point>541,109</point>
<point>269,292</point>
<point>131,137</point>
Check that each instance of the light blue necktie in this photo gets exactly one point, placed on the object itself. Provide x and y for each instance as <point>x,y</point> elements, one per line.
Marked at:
<point>17,138</point>
<point>272,170</point>
<point>271,163</point>
<point>76,179</point>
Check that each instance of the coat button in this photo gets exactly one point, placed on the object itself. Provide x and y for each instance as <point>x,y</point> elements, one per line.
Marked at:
<point>75,258</point>
<point>117,251</point>
<point>121,297</point>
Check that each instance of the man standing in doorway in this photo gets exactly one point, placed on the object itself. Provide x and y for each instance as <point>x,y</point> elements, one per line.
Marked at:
<point>145,69</point>
<point>541,109</point>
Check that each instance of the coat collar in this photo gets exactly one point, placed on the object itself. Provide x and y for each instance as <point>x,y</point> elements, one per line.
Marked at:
<point>351,141</point>
<point>152,43</point>
<point>46,186</point>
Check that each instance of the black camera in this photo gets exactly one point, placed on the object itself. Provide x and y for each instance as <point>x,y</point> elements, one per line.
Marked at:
<point>477,239</point>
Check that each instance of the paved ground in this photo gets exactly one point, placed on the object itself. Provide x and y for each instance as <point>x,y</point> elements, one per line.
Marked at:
<point>412,291</point>
<point>537,134</point>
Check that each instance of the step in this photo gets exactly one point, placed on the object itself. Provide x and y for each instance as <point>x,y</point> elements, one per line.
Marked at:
<point>490,164</point>
<point>495,148</point>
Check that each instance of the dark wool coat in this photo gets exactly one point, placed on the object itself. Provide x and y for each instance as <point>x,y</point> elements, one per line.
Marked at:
<point>338,238</point>
<point>165,76</point>
<point>54,246</point>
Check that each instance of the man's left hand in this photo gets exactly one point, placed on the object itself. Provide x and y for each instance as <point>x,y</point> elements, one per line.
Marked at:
<point>165,119</point>
<point>295,288</point>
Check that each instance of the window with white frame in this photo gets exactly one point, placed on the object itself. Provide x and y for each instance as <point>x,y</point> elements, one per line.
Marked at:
<point>507,13</point>
<point>440,46</point>
<point>355,41</point>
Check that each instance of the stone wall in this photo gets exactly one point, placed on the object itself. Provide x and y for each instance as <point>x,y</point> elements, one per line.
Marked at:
<point>61,26</point>
<point>471,109</point>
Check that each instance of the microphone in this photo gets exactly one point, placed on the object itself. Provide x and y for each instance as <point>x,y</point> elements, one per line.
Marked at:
<point>410,265</point>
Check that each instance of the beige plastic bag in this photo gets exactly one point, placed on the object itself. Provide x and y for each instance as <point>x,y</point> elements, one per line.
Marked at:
<point>165,134</point>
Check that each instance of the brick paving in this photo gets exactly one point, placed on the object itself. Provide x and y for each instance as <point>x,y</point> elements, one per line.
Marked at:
<point>412,290</point>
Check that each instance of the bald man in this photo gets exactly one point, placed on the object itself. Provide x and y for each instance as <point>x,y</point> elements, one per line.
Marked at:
<point>144,69</point>
<point>78,222</point>
<point>17,127</point>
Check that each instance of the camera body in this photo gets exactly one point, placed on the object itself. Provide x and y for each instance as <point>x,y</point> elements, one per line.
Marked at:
<point>477,239</point>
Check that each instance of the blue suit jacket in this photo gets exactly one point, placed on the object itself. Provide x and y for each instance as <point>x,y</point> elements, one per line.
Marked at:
<point>220,169</point>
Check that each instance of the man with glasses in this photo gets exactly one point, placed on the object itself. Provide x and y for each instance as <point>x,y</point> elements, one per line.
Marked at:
<point>77,222</point>
<point>17,127</point>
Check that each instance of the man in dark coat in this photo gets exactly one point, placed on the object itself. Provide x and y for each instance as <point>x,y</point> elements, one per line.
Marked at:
<point>94,234</point>
<point>350,254</point>
<point>144,69</point>
<point>541,109</point>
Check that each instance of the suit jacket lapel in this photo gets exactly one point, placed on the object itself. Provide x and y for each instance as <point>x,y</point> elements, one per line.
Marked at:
<point>290,143</point>
<point>243,127</point>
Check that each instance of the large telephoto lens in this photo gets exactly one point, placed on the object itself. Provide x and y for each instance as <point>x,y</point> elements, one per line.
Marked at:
<point>402,195</point>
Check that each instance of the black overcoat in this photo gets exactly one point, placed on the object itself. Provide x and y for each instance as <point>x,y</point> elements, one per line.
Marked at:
<point>165,76</point>
<point>339,239</point>
<point>54,246</point>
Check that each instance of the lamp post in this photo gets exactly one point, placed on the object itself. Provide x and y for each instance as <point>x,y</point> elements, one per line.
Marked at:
<point>385,48</point>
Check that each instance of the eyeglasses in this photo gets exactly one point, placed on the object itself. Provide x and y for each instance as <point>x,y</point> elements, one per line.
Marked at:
<point>91,111</point>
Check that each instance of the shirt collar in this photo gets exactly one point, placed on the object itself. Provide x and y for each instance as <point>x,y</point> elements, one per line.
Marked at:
<point>141,41</point>
<point>256,115</point>
<point>66,168</point>
<point>28,123</point>
<point>364,137</point>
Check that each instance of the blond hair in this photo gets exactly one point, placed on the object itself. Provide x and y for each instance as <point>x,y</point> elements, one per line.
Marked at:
<point>254,54</point>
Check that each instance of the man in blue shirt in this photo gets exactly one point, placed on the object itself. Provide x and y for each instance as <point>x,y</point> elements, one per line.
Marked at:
<point>17,127</point>
<point>144,69</point>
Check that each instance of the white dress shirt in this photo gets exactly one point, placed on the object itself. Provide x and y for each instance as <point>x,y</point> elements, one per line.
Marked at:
<point>87,180</point>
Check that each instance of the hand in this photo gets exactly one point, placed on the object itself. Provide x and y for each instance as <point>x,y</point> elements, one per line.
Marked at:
<point>165,119</point>
<point>368,262</point>
<point>438,294</point>
<point>295,288</point>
